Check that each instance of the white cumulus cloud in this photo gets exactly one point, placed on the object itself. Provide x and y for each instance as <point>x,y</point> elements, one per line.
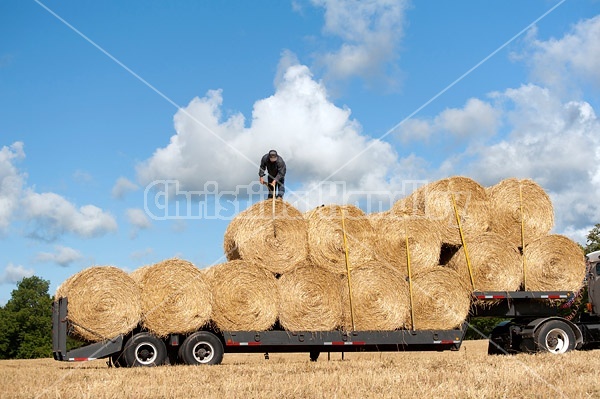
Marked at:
<point>370,31</point>
<point>138,218</point>
<point>122,187</point>
<point>62,256</point>
<point>52,215</point>
<point>317,139</point>
<point>11,183</point>
<point>571,60</point>
<point>13,274</point>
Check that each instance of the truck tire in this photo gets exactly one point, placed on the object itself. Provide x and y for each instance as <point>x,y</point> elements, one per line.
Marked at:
<point>554,336</point>
<point>201,347</point>
<point>144,350</point>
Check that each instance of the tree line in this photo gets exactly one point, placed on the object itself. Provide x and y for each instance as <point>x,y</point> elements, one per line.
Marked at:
<point>26,319</point>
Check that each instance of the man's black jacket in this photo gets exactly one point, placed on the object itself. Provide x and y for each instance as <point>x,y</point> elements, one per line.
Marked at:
<point>275,169</point>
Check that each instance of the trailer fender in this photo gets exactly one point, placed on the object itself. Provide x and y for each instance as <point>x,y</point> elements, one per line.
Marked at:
<point>534,325</point>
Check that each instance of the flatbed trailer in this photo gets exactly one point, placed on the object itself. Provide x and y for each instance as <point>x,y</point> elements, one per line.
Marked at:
<point>553,321</point>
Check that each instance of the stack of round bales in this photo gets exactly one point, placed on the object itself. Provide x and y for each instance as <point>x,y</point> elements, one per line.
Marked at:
<point>310,299</point>
<point>520,210</point>
<point>437,201</point>
<point>326,237</point>
<point>392,230</point>
<point>440,300</point>
<point>377,298</point>
<point>245,296</point>
<point>554,263</point>
<point>175,297</point>
<point>496,264</point>
<point>103,302</point>
<point>275,240</point>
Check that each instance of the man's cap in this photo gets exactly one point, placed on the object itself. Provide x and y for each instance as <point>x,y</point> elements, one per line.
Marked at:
<point>272,154</point>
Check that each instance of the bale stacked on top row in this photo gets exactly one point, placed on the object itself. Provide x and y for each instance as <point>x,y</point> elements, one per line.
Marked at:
<point>391,232</point>
<point>103,302</point>
<point>437,200</point>
<point>514,200</point>
<point>326,237</point>
<point>277,241</point>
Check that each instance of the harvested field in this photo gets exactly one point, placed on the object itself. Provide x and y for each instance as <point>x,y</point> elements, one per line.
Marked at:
<point>468,373</point>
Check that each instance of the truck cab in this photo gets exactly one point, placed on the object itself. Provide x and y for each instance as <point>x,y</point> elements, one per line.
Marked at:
<point>593,277</point>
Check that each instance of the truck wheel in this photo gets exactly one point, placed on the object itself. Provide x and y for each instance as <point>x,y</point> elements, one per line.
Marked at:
<point>144,350</point>
<point>554,336</point>
<point>201,347</point>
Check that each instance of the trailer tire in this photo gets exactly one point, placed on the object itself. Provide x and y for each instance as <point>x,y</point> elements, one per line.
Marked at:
<point>144,350</point>
<point>554,336</point>
<point>499,340</point>
<point>201,347</point>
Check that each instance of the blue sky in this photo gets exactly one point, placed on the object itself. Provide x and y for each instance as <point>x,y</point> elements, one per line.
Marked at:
<point>100,100</point>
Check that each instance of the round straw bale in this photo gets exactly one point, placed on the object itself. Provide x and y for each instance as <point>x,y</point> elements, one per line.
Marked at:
<point>496,264</point>
<point>103,302</point>
<point>245,296</point>
<point>175,298</point>
<point>434,201</point>
<point>310,299</point>
<point>138,273</point>
<point>424,240</point>
<point>440,300</point>
<point>277,243</point>
<point>379,298</point>
<point>554,263</point>
<point>326,237</point>
<point>505,208</point>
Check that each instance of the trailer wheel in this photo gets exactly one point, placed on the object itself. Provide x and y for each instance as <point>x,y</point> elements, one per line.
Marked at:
<point>144,350</point>
<point>201,348</point>
<point>554,336</point>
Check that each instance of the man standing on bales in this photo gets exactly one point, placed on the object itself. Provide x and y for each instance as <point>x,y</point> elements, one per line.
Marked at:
<point>275,167</point>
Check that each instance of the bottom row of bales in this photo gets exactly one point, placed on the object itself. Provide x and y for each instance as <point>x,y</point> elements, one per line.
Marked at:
<point>174,296</point>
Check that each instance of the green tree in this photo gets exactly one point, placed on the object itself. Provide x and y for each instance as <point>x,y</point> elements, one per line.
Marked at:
<point>593,240</point>
<point>26,321</point>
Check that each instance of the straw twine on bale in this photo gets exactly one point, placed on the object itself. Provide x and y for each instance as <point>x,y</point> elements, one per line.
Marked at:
<point>495,263</point>
<point>505,209</point>
<point>554,263</point>
<point>310,299</point>
<point>175,298</point>
<point>245,296</point>
<point>424,240</point>
<point>326,237</point>
<point>276,244</point>
<point>103,302</point>
<point>434,201</point>
<point>380,300</point>
<point>440,300</point>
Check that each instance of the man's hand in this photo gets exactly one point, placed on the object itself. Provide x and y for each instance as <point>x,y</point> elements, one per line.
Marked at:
<point>262,181</point>
<point>274,183</point>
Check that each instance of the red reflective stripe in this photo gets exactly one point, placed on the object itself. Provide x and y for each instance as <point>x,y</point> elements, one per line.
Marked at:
<point>359,343</point>
<point>253,343</point>
<point>232,343</point>
<point>446,341</point>
<point>80,359</point>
